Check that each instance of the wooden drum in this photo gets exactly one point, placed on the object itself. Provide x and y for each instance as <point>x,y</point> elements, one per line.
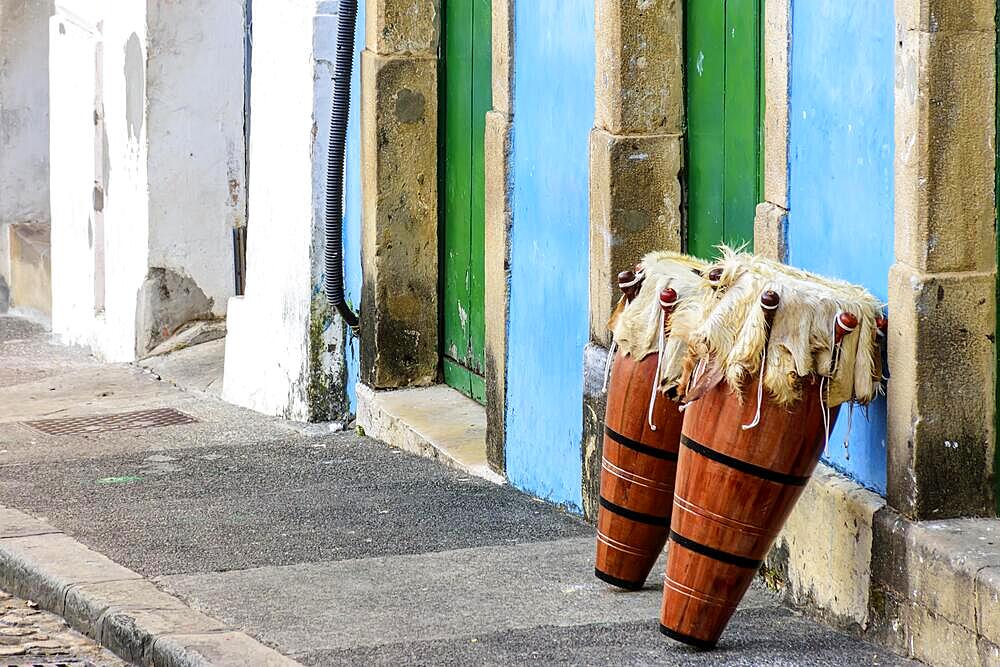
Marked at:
<point>637,475</point>
<point>756,424</point>
<point>735,489</point>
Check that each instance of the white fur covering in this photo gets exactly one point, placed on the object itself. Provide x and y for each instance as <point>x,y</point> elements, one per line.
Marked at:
<point>728,330</point>
<point>636,325</point>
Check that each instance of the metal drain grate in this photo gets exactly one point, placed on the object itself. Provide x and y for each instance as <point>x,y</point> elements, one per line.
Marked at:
<point>116,422</point>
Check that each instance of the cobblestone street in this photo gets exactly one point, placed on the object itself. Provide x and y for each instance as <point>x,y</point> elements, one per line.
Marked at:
<point>30,636</point>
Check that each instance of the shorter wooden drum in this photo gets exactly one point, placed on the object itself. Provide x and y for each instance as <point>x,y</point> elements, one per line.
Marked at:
<point>637,474</point>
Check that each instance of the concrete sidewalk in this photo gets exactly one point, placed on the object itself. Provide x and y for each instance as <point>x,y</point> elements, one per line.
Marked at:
<point>239,539</point>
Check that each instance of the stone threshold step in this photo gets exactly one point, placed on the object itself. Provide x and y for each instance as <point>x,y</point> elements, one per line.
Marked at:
<point>936,593</point>
<point>436,422</point>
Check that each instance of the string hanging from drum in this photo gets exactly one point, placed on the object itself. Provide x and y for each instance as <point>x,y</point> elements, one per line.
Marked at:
<point>843,324</point>
<point>847,435</point>
<point>881,329</point>
<point>607,365</point>
<point>769,301</point>
<point>630,282</point>
<point>668,300</point>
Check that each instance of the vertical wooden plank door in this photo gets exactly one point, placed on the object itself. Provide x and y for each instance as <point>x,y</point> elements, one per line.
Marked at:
<point>466,96</point>
<point>724,110</point>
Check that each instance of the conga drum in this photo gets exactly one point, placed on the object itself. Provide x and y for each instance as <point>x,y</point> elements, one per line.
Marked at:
<point>746,456</point>
<point>637,475</point>
<point>642,426</point>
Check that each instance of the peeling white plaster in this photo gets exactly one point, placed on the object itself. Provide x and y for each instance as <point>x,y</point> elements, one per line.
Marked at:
<point>268,343</point>
<point>165,78</point>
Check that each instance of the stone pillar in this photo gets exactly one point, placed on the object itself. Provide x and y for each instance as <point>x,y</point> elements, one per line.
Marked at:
<point>636,157</point>
<point>942,288</point>
<point>770,237</point>
<point>285,348</point>
<point>499,123</point>
<point>399,237</point>
<point>93,301</point>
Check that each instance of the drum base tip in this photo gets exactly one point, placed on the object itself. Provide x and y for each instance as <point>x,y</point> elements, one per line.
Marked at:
<point>700,644</point>
<point>619,583</point>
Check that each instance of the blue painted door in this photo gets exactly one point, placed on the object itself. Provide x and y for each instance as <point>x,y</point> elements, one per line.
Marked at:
<point>553,116</point>
<point>841,150</point>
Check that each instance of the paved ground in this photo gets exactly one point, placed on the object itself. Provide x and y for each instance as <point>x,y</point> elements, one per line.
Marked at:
<point>335,549</point>
<point>29,636</point>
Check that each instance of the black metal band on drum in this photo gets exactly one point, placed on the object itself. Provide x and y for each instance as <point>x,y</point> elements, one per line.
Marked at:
<point>620,583</point>
<point>637,446</point>
<point>641,517</point>
<point>715,554</point>
<point>743,466</point>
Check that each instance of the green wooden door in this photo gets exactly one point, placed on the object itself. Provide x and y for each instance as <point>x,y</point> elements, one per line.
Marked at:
<point>466,96</point>
<point>724,109</point>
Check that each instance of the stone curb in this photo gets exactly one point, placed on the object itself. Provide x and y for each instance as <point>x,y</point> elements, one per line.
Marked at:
<point>822,558</point>
<point>113,605</point>
<point>928,590</point>
<point>936,588</point>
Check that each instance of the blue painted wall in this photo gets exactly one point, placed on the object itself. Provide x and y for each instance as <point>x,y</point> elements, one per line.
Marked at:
<point>841,174</point>
<point>553,115</point>
<point>352,209</point>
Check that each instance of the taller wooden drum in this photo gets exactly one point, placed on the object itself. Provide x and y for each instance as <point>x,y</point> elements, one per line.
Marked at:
<point>734,491</point>
<point>775,354</point>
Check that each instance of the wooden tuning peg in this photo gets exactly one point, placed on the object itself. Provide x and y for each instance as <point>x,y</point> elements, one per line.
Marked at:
<point>845,324</point>
<point>629,281</point>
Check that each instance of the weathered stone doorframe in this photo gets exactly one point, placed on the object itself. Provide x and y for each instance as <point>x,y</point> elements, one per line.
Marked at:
<point>771,220</point>
<point>942,288</point>
<point>399,231</point>
<point>499,125</point>
<point>399,143</point>
<point>636,165</point>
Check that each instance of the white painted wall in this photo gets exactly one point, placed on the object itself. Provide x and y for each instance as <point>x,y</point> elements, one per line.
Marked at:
<point>24,117</point>
<point>196,145</point>
<point>268,342</point>
<point>73,66</point>
<point>172,100</point>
